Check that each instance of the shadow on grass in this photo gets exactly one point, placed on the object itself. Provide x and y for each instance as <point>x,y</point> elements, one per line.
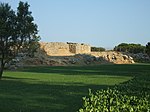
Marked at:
<point>138,86</point>
<point>112,69</point>
<point>16,78</point>
<point>19,96</point>
<point>29,95</point>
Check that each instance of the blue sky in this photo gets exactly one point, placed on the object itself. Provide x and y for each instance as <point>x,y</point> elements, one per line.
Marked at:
<point>104,23</point>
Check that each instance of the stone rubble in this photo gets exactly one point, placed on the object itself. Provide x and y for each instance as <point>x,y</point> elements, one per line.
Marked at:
<point>93,58</point>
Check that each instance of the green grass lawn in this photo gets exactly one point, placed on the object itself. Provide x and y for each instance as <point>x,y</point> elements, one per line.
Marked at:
<point>60,89</point>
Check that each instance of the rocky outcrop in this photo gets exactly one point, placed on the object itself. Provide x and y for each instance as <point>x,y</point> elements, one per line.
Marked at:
<point>78,59</point>
<point>92,58</point>
<point>139,57</point>
<point>114,57</point>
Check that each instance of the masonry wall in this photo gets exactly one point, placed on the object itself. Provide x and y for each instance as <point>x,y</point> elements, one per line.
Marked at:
<point>72,48</point>
<point>54,48</point>
<point>85,48</point>
<point>61,49</point>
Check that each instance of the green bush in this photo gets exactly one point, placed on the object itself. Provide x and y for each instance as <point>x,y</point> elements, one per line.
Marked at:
<point>97,49</point>
<point>148,48</point>
<point>130,48</point>
<point>111,100</point>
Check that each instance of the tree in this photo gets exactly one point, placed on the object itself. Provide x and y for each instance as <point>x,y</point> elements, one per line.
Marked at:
<point>130,48</point>
<point>7,20</point>
<point>148,48</point>
<point>17,32</point>
<point>97,49</point>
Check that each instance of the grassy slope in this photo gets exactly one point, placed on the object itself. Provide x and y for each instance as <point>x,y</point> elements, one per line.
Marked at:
<point>60,89</point>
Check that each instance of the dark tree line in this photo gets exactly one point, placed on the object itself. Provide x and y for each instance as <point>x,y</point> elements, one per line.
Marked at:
<point>130,48</point>
<point>97,49</point>
<point>18,32</point>
<point>148,48</point>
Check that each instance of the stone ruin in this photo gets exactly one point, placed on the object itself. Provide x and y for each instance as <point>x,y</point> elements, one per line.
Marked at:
<point>59,53</point>
<point>68,54</point>
<point>64,49</point>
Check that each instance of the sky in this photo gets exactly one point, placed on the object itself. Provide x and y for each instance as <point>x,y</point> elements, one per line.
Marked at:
<point>100,23</point>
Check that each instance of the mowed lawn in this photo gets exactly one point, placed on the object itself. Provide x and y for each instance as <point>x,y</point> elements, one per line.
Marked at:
<point>60,89</point>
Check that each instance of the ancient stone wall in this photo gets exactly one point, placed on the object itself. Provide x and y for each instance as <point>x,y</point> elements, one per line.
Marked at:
<point>70,49</point>
<point>77,48</point>
<point>62,49</point>
<point>85,48</point>
<point>62,54</point>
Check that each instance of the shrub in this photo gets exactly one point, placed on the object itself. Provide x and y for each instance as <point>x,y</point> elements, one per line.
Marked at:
<point>130,48</point>
<point>148,48</point>
<point>111,100</point>
<point>97,49</point>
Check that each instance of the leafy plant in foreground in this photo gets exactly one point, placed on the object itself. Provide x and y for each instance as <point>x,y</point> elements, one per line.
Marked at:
<point>111,100</point>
